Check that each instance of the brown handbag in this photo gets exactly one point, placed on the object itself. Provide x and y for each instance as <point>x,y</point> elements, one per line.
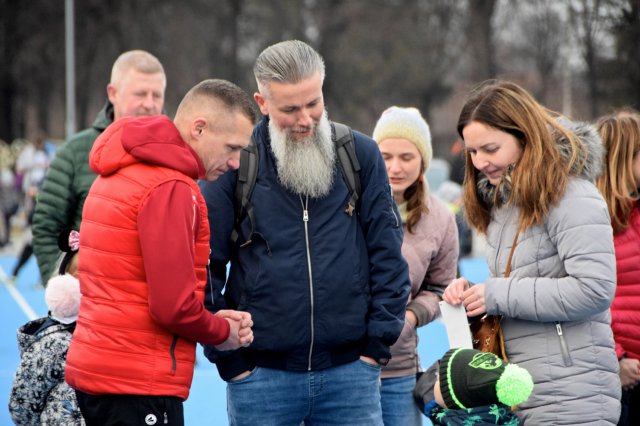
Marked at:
<point>486,331</point>
<point>487,335</point>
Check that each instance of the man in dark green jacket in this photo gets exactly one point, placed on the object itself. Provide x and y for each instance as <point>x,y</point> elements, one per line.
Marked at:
<point>137,88</point>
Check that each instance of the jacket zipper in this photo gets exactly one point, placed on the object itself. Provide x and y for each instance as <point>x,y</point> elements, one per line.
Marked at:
<point>568,362</point>
<point>174,343</point>
<point>305,219</point>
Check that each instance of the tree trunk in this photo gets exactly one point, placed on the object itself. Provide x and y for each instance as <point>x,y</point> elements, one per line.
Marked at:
<point>236,12</point>
<point>9,48</point>
<point>481,39</point>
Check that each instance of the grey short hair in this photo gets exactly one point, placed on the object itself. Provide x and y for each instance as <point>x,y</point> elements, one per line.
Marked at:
<point>140,60</point>
<point>289,61</point>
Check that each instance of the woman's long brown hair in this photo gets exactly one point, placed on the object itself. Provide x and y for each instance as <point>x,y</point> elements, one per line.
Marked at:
<point>540,176</point>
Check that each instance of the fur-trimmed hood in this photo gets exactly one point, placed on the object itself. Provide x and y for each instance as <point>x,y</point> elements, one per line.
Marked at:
<point>591,157</point>
<point>592,153</point>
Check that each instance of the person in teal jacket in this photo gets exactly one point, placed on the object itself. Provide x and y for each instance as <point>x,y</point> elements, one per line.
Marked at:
<point>137,88</point>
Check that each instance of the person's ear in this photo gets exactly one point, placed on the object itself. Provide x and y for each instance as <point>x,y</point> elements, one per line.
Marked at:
<point>111,93</point>
<point>262,103</point>
<point>198,125</point>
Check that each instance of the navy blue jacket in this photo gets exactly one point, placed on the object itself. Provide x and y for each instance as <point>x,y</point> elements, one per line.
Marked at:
<point>312,309</point>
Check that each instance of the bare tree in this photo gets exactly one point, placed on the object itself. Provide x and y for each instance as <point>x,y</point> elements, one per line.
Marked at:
<point>591,20</point>
<point>545,37</point>
<point>480,38</point>
<point>377,52</point>
<point>626,30</point>
<point>99,39</point>
<point>531,35</point>
<point>40,62</point>
<point>15,30</point>
<point>381,53</point>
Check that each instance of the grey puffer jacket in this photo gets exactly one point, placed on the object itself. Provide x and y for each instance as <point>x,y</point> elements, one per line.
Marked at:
<point>555,303</point>
<point>39,394</point>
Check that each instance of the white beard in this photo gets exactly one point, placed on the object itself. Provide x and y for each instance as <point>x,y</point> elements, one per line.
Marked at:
<point>305,166</point>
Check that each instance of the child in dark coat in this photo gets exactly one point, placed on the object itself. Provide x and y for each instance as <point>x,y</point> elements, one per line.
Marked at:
<point>469,387</point>
<point>39,394</point>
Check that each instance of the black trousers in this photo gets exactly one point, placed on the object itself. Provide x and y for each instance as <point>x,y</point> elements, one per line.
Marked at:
<point>630,414</point>
<point>130,410</point>
<point>26,253</point>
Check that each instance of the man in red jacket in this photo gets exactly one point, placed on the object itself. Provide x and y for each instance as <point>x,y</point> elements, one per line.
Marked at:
<point>143,259</point>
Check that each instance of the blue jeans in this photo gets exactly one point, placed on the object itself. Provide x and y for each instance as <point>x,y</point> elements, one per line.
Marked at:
<point>398,405</point>
<point>348,394</point>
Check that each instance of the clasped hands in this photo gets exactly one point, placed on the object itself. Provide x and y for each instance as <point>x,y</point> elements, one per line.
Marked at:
<point>629,373</point>
<point>240,332</point>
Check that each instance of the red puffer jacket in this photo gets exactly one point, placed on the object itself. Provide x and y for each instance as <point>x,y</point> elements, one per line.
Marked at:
<point>625,309</point>
<point>118,347</point>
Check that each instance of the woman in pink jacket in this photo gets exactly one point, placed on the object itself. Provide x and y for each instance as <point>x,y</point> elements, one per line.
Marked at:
<point>430,247</point>
<point>619,186</point>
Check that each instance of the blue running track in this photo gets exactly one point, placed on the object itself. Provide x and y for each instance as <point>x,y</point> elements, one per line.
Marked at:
<point>206,405</point>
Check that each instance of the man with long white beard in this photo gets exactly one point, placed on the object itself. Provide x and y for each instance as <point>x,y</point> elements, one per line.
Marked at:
<point>326,285</point>
<point>306,164</point>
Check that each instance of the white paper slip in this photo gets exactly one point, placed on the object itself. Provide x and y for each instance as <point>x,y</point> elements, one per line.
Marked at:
<point>456,324</point>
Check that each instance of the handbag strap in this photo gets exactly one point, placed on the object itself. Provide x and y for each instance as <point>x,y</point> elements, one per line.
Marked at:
<point>513,248</point>
<point>506,274</point>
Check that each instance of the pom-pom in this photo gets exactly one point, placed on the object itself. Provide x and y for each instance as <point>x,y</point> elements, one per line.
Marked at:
<point>514,385</point>
<point>63,298</point>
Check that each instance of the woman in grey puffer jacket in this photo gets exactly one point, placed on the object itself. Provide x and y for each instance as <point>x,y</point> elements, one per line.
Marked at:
<point>529,182</point>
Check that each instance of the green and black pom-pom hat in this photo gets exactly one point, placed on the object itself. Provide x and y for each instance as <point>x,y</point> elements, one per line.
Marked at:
<point>470,378</point>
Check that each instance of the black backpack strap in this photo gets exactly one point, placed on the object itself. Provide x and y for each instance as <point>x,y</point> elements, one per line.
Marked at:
<point>348,161</point>
<point>247,173</point>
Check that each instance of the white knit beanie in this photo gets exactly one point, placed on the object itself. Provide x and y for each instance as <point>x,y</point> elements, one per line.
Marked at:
<point>405,123</point>
<point>63,298</point>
